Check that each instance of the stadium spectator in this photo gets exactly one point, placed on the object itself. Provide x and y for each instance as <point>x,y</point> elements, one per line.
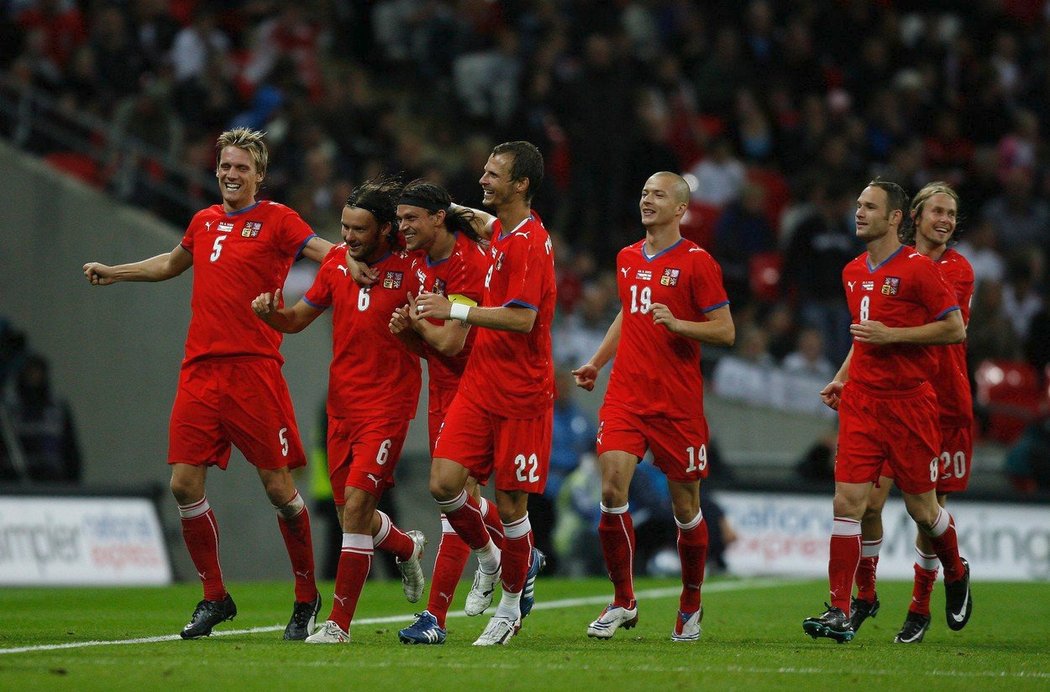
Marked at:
<point>809,358</point>
<point>719,176</point>
<point>43,427</point>
<point>820,246</point>
<point>238,249</point>
<point>743,231</point>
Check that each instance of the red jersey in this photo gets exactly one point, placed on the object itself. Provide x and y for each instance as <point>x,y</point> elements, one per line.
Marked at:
<point>906,290</point>
<point>657,372</point>
<point>509,373</point>
<point>952,382</point>
<point>462,275</point>
<point>237,256</point>
<point>372,374</point>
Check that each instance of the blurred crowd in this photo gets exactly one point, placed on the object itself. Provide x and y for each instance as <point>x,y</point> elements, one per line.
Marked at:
<point>777,113</point>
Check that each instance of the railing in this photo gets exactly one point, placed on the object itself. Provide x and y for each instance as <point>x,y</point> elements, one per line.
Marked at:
<point>129,169</point>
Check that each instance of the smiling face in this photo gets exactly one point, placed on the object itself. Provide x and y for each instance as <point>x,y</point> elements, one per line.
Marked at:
<point>419,226</point>
<point>239,179</point>
<point>935,225</point>
<point>497,188</point>
<point>873,217</point>
<point>661,201</point>
<point>363,235</point>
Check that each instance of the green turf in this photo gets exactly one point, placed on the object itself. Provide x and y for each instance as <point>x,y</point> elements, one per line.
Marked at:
<point>752,640</point>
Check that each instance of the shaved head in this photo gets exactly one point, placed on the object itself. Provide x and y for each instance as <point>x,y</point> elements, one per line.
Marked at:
<point>678,185</point>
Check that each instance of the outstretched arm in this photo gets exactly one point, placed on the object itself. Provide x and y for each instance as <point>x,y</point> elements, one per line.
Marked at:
<point>317,249</point>
<point>158,268</point>
<point>288,320</point>
<point>587,373</point>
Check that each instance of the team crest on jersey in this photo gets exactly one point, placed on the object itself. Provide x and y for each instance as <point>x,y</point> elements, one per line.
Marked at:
<point>225,226</point>
<point>644,275</point>
<point>251,229</point>
<point>393,279</point>
<point>670,277</point>
<point>890,286</point>
<point>867,285</point>
<point>439,286</point>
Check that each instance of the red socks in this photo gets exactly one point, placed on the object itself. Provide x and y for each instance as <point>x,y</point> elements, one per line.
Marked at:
<point>616,534</point>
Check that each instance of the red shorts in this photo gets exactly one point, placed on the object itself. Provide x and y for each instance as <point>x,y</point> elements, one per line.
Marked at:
<point>516,450</point>
<point>363,453</point>
<point>679,445</point>
<point>243,401</point>
<point>956,459</point>
<point>438,401</point>
<point>901,431</point>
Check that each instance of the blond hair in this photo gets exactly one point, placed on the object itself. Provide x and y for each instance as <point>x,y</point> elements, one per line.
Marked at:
<point>250,141</point>
<point>907,231</point>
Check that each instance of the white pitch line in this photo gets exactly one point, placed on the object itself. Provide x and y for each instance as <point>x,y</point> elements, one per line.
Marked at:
<point>542,605</point>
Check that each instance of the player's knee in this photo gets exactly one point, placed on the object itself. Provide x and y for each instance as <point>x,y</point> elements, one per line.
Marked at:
<point>443,488</point>
<point>850,507</point>
<point>186,490</point>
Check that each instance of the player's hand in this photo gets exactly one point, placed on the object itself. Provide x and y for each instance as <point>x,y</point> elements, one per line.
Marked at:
<point>663,315</point>
<point>832,394</point>
<point>433,306</point>
<point>871,332</point>
<point>98,274</point>
<point>360,272</point>
<point>585,376</point>
<point>266,304</point>
<point>400,320</point>
<point>413,312</point>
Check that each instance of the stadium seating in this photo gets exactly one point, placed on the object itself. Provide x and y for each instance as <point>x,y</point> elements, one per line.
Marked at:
<point>699,223</point>
<point>1012,394</point>
<point>77,165</point>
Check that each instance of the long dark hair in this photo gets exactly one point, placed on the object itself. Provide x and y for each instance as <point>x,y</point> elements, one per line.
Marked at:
<point>433,197</point>
<point>379,196</point>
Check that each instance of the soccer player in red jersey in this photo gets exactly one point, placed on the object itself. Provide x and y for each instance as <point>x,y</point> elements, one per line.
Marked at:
<point>933,214</point>
<point>373,388</point>
<point>672,301</point>
<point>230,388</point>
<point>888,411</point>
<point>500,420</point>
<point>448,260</point>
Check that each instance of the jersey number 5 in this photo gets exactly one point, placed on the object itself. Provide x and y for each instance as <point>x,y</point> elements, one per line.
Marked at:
<point>216,248</point>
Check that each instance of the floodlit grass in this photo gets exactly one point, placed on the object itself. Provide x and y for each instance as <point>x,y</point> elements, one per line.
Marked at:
<point>752,640</point>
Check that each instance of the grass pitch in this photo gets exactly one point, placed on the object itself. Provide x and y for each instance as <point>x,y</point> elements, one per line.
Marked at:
<point>113,639</point>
